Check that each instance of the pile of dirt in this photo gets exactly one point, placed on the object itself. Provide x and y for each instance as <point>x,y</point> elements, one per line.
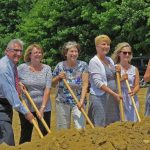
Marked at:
<point>117,136</point>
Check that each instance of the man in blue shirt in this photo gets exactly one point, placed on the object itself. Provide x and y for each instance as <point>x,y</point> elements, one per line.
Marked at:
<point>8,91</point>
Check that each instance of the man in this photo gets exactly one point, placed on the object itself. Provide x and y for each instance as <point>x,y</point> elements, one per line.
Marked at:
<point>9,91</point>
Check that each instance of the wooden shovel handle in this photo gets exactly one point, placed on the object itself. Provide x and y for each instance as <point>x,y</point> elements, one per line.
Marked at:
<point>33,120</point>
<point>118,76</point>
<point>133,101</point>
<point>77,101</point>
<point>36,110</point>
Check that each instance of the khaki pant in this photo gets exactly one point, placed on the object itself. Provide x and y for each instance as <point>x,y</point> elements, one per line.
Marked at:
<point>63,116</point>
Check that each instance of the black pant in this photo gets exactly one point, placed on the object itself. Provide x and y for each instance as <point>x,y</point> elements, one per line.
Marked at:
<point>27,127</point>
<point>6,131</point>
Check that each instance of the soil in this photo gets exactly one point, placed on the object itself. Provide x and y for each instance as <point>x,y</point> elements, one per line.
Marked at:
<point>117,136</point>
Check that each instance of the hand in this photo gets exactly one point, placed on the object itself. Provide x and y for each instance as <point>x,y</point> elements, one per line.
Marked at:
<point>131,93</point>
<point>80,104</point>
<point>62,75</point>
<point>117,97</point>
<point>124,77</point>
<point>39,115</point>
<point>29,116</point>
<point>118,68</point>
<point>41,112</point>
<point>21,86</point>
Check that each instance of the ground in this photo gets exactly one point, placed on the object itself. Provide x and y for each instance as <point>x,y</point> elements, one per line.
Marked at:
<point>117,136</point>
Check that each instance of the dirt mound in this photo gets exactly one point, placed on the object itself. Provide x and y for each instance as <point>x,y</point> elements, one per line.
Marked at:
<point>117,136</point>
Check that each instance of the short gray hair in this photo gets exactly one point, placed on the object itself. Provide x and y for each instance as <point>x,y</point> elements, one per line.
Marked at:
<point>15,41</point>
<point>69,45</point>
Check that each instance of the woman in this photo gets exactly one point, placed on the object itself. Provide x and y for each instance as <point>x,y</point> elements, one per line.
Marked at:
<point>76,74</point>
<point>123,55</point>
<point>36,77</point>
<point>147,79</point>
<point>103,108</point>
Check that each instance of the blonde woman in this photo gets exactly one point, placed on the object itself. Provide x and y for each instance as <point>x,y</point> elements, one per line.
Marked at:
<point>103,107</point>
<point>36,77</point>
<point>123,55</point>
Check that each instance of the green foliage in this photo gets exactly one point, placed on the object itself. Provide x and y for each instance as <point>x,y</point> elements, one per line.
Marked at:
<point>11,13</point>
<point>126,21</point>
<point>52,23</point>
<point>8,20</point>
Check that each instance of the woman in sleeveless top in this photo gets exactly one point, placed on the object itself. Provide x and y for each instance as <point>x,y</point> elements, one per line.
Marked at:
<point>147,79</point>
<point>76,74</point>
<point>122,56</point>
<point>103,107</point>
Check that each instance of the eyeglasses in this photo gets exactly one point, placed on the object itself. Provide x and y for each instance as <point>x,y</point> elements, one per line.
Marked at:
<point>125,53</point>
<point>16,50</point>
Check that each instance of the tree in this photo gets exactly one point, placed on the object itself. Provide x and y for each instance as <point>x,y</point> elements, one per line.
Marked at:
<point>51,23</point>
<point>11,14</point>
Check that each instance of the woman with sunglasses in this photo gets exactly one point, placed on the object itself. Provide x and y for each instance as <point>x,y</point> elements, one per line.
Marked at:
<point>122,56</point>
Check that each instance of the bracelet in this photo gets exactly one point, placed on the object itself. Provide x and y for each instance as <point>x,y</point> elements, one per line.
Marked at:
<point>43,106</point>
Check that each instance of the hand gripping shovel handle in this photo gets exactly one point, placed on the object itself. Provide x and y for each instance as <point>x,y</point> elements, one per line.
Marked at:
<point>133,101</point>
<point>33,120</point>
<point>36,110</point>
<point>76,100</point>
<point>118,69</point>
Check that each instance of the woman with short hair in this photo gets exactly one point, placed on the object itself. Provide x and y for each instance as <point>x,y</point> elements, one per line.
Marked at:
<point>76,73</point>
<point>103,107</point>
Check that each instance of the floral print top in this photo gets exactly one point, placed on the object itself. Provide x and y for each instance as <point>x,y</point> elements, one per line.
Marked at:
<point>74,79</point>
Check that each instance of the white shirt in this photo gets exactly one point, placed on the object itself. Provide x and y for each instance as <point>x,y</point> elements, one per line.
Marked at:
<point>97,75</point>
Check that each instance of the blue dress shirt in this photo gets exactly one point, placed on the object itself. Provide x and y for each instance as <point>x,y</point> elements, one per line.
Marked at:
<point>7,84</point>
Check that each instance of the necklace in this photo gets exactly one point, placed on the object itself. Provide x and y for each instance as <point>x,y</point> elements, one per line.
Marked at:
<point>36,69</point>
<point>125,68</point>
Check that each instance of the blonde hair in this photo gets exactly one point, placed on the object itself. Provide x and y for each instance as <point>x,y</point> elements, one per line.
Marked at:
<point>102,38</point>
<point>118,48</point>
<point>29,51</point>
<point>69,45</point>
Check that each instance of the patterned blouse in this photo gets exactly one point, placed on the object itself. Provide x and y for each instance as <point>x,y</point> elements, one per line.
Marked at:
<point>36,82</point>
<point>73,77</point>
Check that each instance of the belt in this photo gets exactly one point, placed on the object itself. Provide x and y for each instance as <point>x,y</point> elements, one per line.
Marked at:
<point>4,101</point>
<point>6,112</point>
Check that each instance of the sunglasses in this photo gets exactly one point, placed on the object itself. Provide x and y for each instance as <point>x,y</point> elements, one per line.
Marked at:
<point>125,53</point>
